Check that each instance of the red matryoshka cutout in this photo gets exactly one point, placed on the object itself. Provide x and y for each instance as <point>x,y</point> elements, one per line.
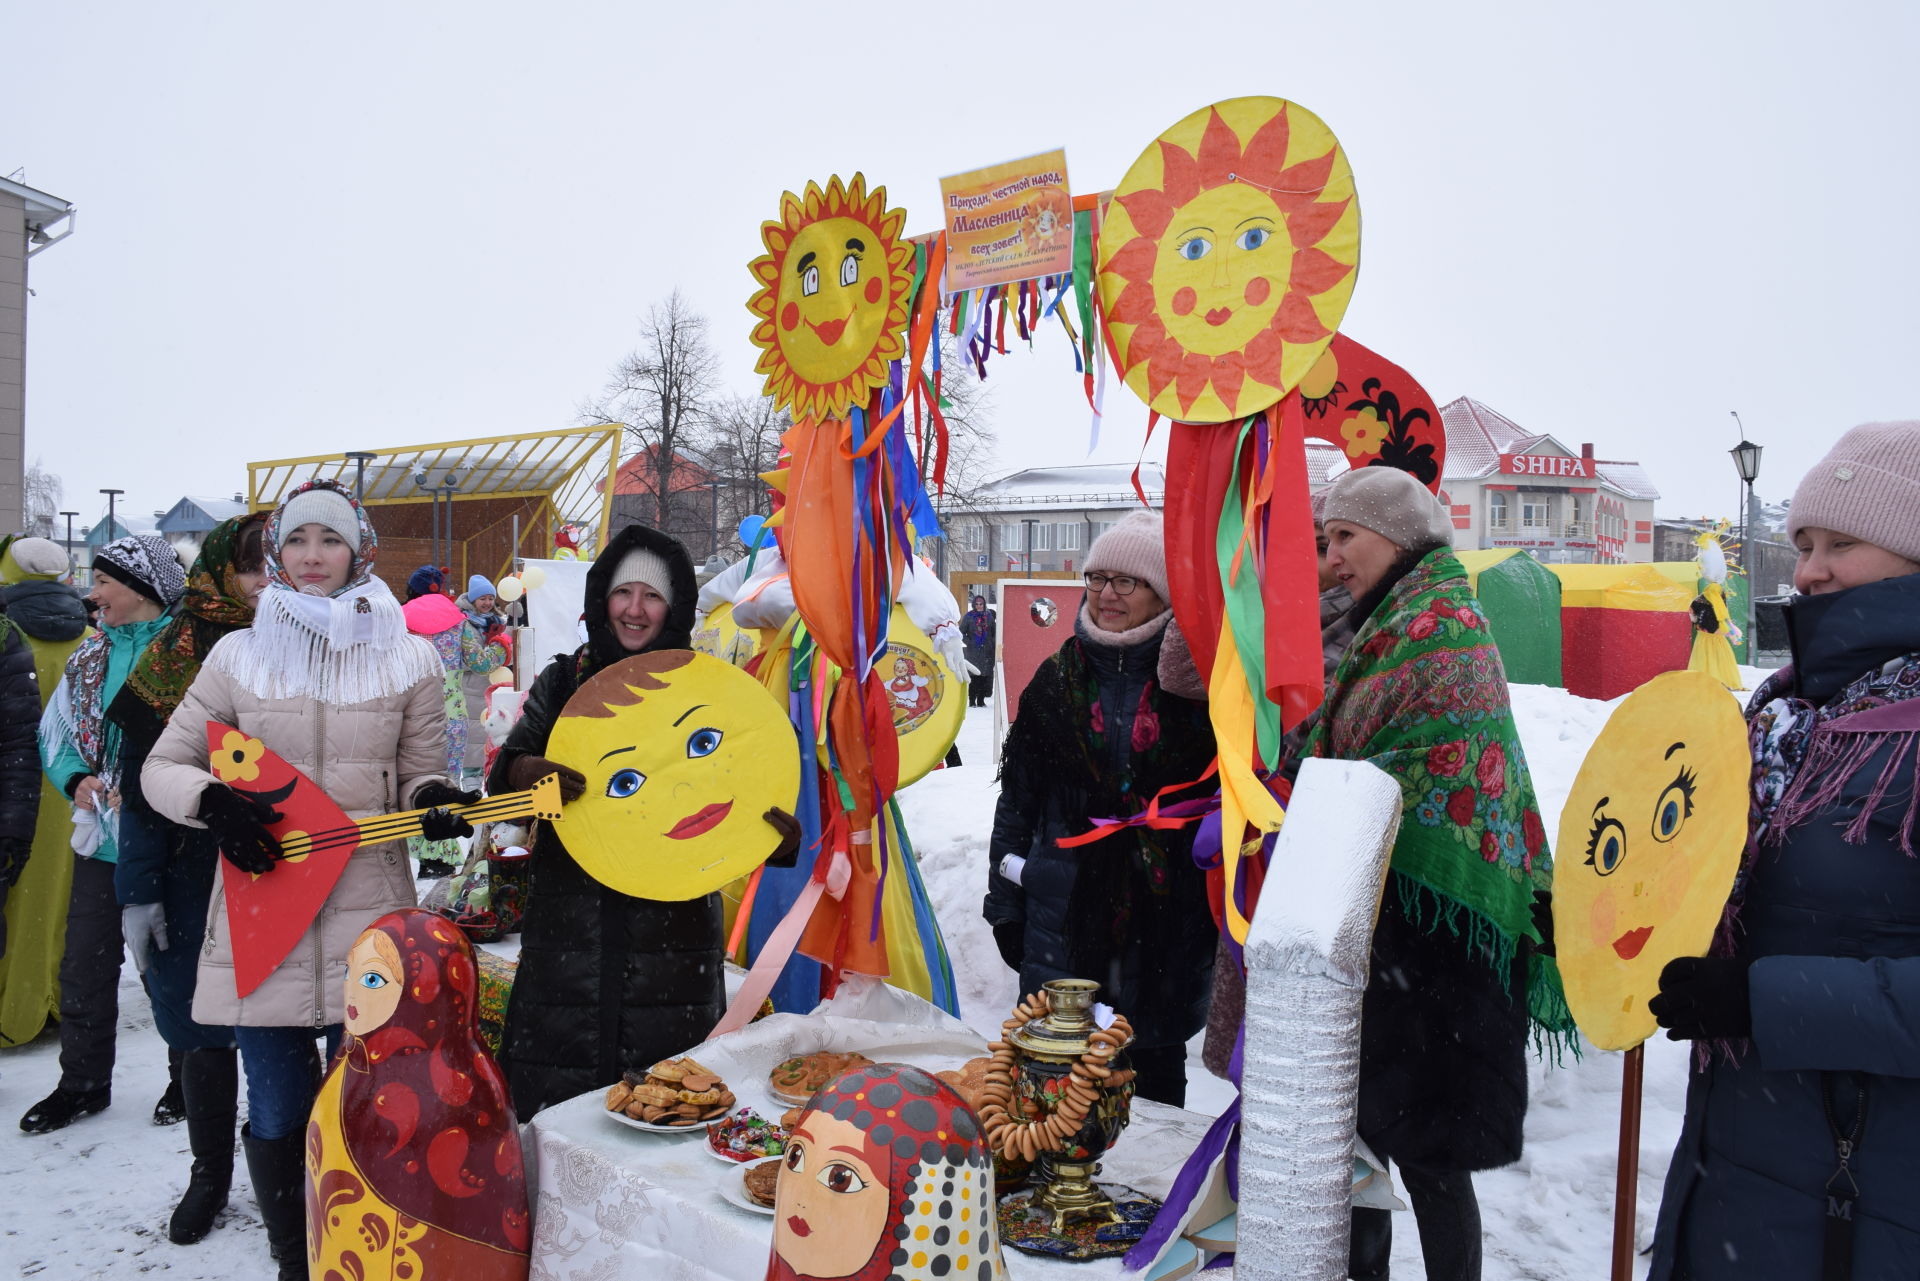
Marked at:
<point>413,1153</point>
<point>1375,411</point>
<point>886,1175</point>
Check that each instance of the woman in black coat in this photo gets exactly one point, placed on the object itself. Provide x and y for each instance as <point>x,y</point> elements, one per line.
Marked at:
<point>606,982</point>
<point>1810,999</point>
<point>1097,737</point>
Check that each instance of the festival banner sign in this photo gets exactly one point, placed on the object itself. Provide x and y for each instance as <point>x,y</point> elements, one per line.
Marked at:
<point>1008,222</point>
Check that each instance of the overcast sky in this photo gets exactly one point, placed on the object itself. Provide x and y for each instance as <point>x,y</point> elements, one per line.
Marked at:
<point>308,229</point>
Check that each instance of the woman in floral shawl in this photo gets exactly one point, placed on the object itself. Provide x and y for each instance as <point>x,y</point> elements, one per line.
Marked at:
<point>164,878</point>
<point>1421,694</point>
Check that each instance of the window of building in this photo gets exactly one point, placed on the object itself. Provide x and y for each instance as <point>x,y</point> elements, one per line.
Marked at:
<point>1536,511</point>
<point>1069,536</point>
<point>1496,509</point>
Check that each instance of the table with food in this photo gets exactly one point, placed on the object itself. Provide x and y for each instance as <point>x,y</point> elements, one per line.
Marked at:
<point>675,1172</point>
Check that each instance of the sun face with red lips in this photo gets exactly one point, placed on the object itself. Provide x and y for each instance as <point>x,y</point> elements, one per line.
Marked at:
<point>832,302</point>
<point>1227,258</point>
<point>683,754</point>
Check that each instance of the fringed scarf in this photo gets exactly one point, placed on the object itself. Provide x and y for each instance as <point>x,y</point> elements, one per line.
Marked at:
<point>350,647</point>
<point>1422,694</point>
<point>214,604</point>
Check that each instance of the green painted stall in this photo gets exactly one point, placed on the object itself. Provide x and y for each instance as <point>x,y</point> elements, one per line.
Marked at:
<point>1522,603</point>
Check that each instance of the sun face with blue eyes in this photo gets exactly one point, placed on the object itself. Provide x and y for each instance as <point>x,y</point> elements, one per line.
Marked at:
<point>1649,840</point>
<point>374,984</point>
<point>684,754</point>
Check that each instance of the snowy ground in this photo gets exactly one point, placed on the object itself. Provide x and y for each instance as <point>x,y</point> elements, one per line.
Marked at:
<point>92,1200</point>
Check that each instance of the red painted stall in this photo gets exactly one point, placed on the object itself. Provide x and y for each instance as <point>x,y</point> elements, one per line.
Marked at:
<point>1620,626</point>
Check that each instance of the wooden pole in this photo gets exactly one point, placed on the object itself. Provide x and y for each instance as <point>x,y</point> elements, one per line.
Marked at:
<point>1627,1180</point>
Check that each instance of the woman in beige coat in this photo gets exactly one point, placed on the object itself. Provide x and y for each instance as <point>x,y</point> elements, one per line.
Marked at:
<point>330,680</point>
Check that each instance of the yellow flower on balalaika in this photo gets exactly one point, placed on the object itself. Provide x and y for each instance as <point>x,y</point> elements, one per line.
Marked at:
<point>238,760</point>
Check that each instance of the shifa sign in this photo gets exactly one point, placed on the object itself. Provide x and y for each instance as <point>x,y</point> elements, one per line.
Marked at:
<point>1546,465</point>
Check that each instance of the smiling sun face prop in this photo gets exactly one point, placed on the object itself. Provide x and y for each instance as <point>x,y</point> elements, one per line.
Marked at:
<point>832,301</point>
<point>1649,842</point>
<point>1227,259</point>
<point>683,755</point>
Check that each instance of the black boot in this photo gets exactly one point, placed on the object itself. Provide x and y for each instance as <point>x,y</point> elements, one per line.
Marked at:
<point>210,1084</point>
<point>278,1170</point>
<point>172,1108</point>
<point>63,1107</point>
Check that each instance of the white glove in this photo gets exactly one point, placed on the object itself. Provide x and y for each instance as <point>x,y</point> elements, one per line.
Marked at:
<point>144,926</point>
<point>947,643</point>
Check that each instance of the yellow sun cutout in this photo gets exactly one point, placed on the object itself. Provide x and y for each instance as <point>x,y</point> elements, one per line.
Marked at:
<point>1227,258</point>
<point>832,302</point>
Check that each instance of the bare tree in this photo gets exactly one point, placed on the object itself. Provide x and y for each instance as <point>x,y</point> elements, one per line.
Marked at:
<point>742,441</point>
<point>42,492</point>
<point>662,391</point>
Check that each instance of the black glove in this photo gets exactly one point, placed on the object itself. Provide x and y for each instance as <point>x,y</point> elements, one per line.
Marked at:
<point>788,826</point>
<point>1011,938</point>
<point>439,824</point>
<point>1543,922</point>
<point>1703,616</point>
<point>239,823</point>
<point>1704,998</point>
<point>525,771</point>
<point>14,852</point>
<point>432,794</point>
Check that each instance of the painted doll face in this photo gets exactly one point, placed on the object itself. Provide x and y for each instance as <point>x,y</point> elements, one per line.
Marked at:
<point>1649,841</point>
<point>374,982</point>
<point>832,1202</point>
<point>683,754</point>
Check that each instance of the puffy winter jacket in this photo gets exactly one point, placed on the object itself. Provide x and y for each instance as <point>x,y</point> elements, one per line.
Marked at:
<point>606,981</point>
<point>370,758</point>
<point>1147,936</point>
<point>1833,929</point>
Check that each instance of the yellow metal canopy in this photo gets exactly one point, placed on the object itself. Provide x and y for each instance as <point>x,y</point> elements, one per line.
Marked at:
<point>528,484</point>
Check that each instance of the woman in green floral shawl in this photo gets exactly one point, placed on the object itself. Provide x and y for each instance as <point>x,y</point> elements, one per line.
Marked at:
<point>164,877</point>
<point>1456,981</point>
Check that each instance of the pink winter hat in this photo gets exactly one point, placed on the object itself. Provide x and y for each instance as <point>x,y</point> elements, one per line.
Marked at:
<point>431,614</point>
<point>1868,487</point>
<point>1136,547</point>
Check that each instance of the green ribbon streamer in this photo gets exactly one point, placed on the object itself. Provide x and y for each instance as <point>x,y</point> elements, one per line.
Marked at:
<point>1246,614</point>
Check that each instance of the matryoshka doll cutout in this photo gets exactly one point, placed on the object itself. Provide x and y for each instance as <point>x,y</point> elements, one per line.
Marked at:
<point>683,754</point>
<point>886,1178</point>
<point>832,301</point>
<point>1649,843</point>
<point>413,1153</point>
<point>1227,259</point>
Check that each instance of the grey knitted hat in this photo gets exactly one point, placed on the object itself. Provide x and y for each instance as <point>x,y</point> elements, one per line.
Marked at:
<point>1868,487</point>
<point>643,566</point>
<point>327,507</point>
<point>1392,504</point>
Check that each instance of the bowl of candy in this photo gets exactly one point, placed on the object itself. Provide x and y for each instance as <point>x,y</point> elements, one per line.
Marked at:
<point>745,1136</point>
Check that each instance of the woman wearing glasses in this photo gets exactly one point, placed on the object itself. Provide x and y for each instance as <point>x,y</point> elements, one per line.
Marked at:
<point>1096,737</point>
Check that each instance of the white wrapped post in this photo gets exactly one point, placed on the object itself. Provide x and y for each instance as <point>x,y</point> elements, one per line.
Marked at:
<point>1307,963</point>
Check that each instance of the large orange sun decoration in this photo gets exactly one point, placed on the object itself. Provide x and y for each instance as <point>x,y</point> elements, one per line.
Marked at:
<point>1227,258</point>
<point>834,289</point>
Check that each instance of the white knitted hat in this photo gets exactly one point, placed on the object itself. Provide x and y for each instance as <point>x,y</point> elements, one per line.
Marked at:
<point>327,507</point>
<point>643,566</point>
<point>1392,504</point>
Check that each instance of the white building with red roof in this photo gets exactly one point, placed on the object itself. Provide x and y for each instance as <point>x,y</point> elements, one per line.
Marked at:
<point>1510,487</point>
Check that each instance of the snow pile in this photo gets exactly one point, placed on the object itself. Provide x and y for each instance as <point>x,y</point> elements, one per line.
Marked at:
<point>93,1199</point>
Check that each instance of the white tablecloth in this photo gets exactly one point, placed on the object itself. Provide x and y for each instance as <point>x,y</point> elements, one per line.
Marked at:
<point>614,1202</point>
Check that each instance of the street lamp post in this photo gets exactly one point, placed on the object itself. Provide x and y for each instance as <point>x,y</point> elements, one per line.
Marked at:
<point>111,495</point>
<point>69,542</point>
<point>360,458</point>
<point>1746,460</point>
<point>1029,522</point>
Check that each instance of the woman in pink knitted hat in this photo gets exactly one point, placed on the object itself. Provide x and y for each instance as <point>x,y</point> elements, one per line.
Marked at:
<point>1800,1152</point>
<point>1098,734</point>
